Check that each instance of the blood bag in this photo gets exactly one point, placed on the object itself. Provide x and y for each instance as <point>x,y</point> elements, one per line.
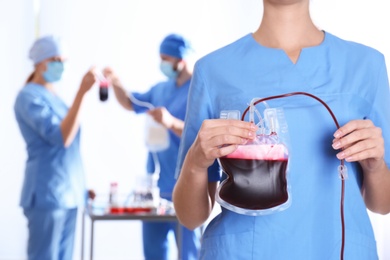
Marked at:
<point>156,135</point>
<point>257,179</point>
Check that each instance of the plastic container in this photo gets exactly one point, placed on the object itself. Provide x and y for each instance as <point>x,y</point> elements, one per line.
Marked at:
<point>114,206</point>
<point>145,197</point>
<point>156,136</point>
<point>257,179</point>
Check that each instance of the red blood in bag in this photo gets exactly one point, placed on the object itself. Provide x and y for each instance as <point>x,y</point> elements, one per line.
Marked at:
<point>103,90</point>
<point>254,184</point>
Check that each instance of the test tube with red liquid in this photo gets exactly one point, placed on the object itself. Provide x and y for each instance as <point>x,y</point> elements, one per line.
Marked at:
<point>103,90</point>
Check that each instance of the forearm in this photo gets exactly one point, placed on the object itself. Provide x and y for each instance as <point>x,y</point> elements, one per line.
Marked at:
<point>177,126</point>
<point>193,204</point>
<point>376,189</point>
<point>121,95</point>
<point>70,125</point>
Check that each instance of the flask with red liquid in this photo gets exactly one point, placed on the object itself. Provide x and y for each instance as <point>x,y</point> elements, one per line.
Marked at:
<point>114,200</point>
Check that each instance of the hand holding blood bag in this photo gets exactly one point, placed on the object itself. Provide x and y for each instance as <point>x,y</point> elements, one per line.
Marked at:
<point>256,182</point>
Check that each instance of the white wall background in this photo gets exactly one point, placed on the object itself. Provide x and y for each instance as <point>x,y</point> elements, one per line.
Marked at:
<point>126,36</point>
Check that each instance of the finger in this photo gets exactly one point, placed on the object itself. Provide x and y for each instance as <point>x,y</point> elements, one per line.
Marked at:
<point>227,140</point>
<point>351,138</point>
<point>219,137</point>
<point>218,145</point>
<point>372,133</point>
<point>92,69</point>
<point>231,122</point>
<point>352,126</point>
<point>229,127</point>
<point>225,150</point>
<point>375,145</point>
<point>212,140</point>
<point>359,155</point>
<point>211,152</point>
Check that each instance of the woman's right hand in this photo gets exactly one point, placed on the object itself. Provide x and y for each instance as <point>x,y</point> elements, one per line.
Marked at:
<point>193,195</point>
<point>217,138</point>
<point>88,80</point>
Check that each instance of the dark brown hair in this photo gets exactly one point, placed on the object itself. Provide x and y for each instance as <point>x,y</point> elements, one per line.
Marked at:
<point>29,79</point>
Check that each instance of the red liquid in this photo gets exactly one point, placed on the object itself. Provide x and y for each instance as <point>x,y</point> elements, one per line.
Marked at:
<point>138,210</point>
<point>254,184</point>
<point>117,210</point>
<point>103,93</point>
<point>121,210</point>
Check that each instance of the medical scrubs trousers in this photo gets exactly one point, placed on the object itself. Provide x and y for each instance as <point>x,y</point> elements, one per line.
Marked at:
<point>155,234</point>
<point>352,79</point>
<point>53,185</point>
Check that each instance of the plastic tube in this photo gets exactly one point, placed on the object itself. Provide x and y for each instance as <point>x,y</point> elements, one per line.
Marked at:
<point>157,167</point>
<point>342,169</point>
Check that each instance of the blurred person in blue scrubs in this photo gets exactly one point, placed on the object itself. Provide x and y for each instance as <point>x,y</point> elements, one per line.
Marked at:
<point>289,53</point>
<point>54,185</point>
<point>169,101</point>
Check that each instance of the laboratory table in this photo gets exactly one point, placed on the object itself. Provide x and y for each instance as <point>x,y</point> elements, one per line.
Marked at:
<point>125,216</point>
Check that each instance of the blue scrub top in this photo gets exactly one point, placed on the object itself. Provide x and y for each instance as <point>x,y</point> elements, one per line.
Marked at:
<point>166,94</point>
<point>352,79</point>
<point>54,176</point>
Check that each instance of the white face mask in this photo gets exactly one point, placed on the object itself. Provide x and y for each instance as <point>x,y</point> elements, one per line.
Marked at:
<point>167,69</point>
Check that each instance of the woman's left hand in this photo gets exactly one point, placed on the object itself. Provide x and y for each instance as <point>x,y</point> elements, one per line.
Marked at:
<point>360,141</point>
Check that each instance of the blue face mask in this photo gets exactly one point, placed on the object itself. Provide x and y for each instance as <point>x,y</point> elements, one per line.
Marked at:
<point>167,69</point>
<point>54,71</point>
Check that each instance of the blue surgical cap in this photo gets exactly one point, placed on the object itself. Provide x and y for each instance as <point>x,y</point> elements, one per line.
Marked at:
<point>44,48</point>
<point>175,45</point>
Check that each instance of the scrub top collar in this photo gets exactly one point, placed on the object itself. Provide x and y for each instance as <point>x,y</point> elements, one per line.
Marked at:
<point>321,45</point>
<point>41,90</point>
